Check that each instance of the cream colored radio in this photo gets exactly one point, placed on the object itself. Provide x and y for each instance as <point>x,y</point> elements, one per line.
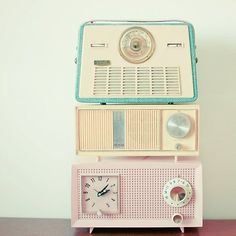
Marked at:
<point>141,130</point>
<point>136,62</point>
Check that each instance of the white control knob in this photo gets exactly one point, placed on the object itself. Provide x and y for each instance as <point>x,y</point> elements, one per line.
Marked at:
<point>177,218</point>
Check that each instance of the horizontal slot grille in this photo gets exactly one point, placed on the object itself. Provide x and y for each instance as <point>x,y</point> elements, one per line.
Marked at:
<point>137,81</point>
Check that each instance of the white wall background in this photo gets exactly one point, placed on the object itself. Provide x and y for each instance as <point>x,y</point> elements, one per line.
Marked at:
<point>37,77</point>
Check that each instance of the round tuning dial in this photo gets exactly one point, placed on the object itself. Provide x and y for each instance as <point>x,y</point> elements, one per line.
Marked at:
<point>136,45</point>
<point>179,125</point>
<point>177,192</point>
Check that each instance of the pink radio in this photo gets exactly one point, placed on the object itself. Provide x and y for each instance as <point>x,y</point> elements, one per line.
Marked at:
<point>137,193</point>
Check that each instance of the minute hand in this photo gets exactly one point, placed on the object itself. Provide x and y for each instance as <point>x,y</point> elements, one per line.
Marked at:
<point>104,188</point>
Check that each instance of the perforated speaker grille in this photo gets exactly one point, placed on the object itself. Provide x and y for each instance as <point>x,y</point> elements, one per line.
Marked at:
<point>141,193</point>
<point>137,81</point>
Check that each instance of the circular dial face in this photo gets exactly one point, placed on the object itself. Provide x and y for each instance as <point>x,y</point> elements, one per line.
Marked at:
<point>177,192</point>
<point>179,125</point>
<point>100,194</point>
<point>136,45</point>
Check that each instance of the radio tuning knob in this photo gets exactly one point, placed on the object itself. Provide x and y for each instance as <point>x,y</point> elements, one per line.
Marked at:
<point>179,125</point>
<point>136,45</point>
<point>177,218</point>
<point>178,146</point>
<point>177,192</point>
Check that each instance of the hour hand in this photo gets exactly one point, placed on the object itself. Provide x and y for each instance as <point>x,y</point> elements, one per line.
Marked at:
<point>103,191</point>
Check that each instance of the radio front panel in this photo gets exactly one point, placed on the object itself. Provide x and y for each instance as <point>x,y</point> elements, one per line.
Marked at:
<point>137,194</point>
<point>142,130</point>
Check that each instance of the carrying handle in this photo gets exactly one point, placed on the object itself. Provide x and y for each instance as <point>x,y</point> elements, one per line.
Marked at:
<point>137,21</point>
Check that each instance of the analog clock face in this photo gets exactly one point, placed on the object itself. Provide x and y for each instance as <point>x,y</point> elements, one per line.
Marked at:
<point>100,194</point>
<point>177,192</point>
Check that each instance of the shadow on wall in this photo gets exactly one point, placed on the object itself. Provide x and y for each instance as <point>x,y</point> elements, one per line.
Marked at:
<point>217,98</point>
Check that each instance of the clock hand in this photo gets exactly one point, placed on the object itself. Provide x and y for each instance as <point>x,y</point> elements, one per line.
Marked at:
<point>104,192</point>
<point>99,194</point>
<point>104,188</point>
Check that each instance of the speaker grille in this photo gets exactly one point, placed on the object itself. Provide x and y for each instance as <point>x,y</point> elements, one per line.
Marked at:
<point>96,134</point>
<point>137,81</point>
<point>141,193</point>
<point>142,130</point>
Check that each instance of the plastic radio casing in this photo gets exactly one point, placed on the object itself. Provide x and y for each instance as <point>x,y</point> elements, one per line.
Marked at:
<point>141,130</point>
<point>141,193</point>
<point>108,70</point>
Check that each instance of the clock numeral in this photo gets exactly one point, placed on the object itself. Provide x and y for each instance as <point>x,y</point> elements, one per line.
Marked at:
<point>85,192</point>
<point>88,199</point>
<point>100,178</point>
<point>87,185</point>
<point>93,204</point>
<point>114,192</point>
<point>93,180</point>
<point>107,205</point>
<point>113,185</point>
<point>107,179</point>
<point>113,199</point>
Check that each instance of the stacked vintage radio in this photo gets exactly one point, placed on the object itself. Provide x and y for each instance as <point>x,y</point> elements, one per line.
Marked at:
<point>152,178</point>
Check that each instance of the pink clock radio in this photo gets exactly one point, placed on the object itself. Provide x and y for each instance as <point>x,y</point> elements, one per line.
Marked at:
<point>137,193</point>
<point>140,130</point>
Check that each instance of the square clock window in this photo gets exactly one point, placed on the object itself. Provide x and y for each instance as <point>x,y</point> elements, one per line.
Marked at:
<point>100,194</point>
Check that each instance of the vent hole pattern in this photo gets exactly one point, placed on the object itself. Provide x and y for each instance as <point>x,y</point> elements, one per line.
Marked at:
<point>96,134</point>
<point>137,81</point>
<point>141,193</point>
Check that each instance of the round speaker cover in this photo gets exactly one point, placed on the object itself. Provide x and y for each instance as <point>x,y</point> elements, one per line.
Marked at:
<point>136,45</point>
